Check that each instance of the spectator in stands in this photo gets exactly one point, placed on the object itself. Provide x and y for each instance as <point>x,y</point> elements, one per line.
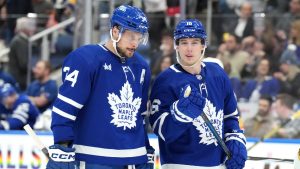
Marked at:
<point>289,78</point>
<point>43,8</point>
<point>285,21</point>
<point>16,9</point>
<point>43,90</point>
<point>262,84</point>
<point>243,24</point>
<point>162,63</point>
<point>292,52</point>
<point>156,14</point>
<point>21,109</point>
<point>166,48</point>
<point>263,121</point>
<point>230,52</point>
<point>18,55</point>
<point>234,81</point>
<point>283,106</point>
<point>256,50</point>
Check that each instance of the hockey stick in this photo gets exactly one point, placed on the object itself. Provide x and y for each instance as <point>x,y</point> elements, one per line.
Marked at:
<point>270,158</point>
<point>38,142</point>
<point>187,92</point>
<point>275,130</point>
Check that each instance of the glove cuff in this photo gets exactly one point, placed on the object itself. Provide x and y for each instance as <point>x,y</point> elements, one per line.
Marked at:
<point>178,115</point>
<point>238,136</point>
<point>59,153</point>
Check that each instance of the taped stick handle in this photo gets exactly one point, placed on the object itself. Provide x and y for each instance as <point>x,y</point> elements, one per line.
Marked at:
<point>38,141</point>
<point>215,133</point>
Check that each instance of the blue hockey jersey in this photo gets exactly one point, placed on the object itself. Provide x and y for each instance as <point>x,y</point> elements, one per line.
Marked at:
<point>183,145</point>
<point>100,104</point>
<point>23,112</point>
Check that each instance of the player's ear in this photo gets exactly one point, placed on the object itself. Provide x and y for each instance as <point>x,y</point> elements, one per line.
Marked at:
<point>115,31</point>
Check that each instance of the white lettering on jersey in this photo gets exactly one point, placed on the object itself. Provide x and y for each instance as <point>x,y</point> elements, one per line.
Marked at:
<point>216,118</point>
<point>125,107</point>
<point>107,67</point>
<point>127,69</point>
<point>72,77</point>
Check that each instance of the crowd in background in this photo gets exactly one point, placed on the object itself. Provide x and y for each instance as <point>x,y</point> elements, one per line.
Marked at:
<point>257,42</point>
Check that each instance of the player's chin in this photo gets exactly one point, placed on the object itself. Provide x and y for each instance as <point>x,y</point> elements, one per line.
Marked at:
<point>129,53</point>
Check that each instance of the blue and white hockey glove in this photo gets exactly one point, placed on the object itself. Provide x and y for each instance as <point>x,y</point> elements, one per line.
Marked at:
<point>236,143</point>
<point>61,157</point>
<point>189,106</point>
<point>150,163</point>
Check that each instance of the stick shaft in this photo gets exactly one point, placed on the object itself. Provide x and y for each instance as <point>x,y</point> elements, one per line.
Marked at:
<point>215,133</point>
<point>269,158</point>
<point>38,141</point>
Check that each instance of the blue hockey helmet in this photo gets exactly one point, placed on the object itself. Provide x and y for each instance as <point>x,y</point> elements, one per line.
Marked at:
<point>131,18</point>
<point>6,90</point>
<point>190,28</point>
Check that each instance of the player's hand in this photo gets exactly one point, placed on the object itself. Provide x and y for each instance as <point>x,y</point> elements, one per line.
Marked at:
<point>150,163</point>
<point>61,157</point>
<point>189,106</point>
<point>236,145</point>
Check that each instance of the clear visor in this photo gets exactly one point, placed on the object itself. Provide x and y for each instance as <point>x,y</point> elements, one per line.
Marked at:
<point>131,36</point>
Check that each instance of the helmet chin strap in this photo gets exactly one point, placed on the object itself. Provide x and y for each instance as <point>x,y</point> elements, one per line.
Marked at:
<point>115,43</point>
<point>178,59</point>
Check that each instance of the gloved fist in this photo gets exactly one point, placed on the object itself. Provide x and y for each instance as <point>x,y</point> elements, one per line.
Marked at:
<point>236,145</point>
<point>189,106</point>
<point>61,157</point>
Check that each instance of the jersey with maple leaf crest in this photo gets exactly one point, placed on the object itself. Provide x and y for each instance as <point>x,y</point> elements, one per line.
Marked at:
<point>193,144</point>
<point>100,104</point>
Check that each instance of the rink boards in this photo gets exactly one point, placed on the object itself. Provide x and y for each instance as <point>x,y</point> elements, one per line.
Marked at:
<point>18,151</point>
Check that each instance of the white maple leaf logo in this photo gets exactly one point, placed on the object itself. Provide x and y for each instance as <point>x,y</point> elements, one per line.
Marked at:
<point>125,107</point>
<point>216,118</point>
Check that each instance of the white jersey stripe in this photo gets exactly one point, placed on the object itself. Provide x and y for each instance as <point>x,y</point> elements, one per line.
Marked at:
<point>175,69</point>
<point>161,120</point>
<point>180,166</point>
<point>69,101</point>
<point>21,118</point>
<point>64,114</point>
<point>235,113</point>
<point>105,152</point>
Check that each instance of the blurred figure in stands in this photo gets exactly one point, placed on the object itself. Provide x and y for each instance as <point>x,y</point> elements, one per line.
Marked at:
<point>21,109</point>
<point>289,77</point>
<point>230,52</point>
<point>262,84</point>
<point>43,90</point>
<point>18,55</point>
<point>263,121</point>
<point>283,106</point>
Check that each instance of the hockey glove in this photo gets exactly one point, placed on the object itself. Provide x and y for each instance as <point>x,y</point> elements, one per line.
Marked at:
<point>150,163</point>
<point>236,144</point>
<point>61,157</point>
<point>189,106</point>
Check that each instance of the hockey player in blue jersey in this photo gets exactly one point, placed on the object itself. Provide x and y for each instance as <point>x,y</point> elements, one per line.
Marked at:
<point>21,110</point>
<point>185,141</point>
<point>98,113</point>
